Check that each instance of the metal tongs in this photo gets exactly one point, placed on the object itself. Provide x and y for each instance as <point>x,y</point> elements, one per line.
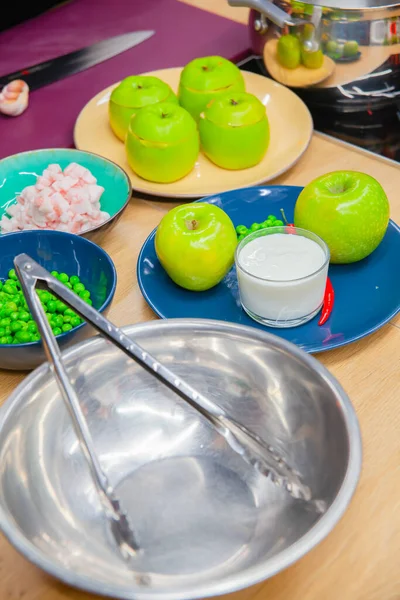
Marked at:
<point>244,442</point>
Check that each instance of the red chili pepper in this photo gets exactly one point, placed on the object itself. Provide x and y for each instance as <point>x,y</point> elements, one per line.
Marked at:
<point>329,299</point>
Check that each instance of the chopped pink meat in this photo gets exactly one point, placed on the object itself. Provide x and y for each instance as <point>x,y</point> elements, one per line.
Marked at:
<point>66,200</point>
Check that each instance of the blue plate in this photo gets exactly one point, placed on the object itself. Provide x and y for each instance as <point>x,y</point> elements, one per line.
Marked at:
<point>367,294</point>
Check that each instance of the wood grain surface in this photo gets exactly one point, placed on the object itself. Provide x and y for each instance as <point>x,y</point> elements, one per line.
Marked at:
<point>360,559</point>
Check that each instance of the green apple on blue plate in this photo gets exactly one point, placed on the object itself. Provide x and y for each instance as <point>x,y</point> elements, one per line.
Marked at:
<point>289,51</point>
<point>234,131</point>
<point>347,209</point>
<point>350,48</point>
<point>162,142</point>
<point>131,95</point>
<point>195,244</point>
<point>204,79</point>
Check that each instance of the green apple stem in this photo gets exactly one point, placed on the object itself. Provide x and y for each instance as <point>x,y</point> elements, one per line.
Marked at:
<point>192,225</point>
<point>284,217</point>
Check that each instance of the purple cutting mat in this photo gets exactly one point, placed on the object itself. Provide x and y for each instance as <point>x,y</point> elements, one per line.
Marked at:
<point>182,33</point>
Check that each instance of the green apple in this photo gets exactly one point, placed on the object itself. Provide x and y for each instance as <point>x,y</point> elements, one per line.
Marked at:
<point>350,48</point>
<point>347,209</point>
<point>204,79</point>
<point>234,131</point>
<point>312,59</point>
<point>196,243</point>
<point>332,47</point>
<point>288,50</point>
<point>162,142</point>
<point>131,95</point>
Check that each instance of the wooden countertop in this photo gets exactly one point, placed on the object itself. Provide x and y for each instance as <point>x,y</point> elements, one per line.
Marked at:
<point>359,559</point>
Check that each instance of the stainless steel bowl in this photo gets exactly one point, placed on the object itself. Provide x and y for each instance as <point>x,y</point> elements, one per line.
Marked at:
<point>207,522</point>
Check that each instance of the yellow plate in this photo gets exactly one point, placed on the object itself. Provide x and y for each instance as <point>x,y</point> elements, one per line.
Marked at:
<point>291,129</point>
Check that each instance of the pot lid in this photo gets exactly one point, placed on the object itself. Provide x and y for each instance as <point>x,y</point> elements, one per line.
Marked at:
<point>355,4</point>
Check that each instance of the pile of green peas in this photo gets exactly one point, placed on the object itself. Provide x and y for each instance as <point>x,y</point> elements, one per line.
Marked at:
<point>270,221</point>
<point>16,323</point>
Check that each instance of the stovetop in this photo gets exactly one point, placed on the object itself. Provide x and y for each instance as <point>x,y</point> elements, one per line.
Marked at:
<point>376,130</point>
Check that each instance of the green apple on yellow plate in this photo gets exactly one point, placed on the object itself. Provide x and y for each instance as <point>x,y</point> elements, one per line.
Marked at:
<point>347,209</point>
<point>289,51</point>
<point>204,79</point>
<point>195,244</point>
<point>234,130</point>
<point>131,95</point>
<point>162,142</point>
<point>312,59</point>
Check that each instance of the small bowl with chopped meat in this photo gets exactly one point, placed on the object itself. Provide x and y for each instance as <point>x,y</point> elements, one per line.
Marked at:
<point>62,189</point>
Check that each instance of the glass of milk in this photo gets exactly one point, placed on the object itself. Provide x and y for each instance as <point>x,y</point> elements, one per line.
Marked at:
<point>282,274</point>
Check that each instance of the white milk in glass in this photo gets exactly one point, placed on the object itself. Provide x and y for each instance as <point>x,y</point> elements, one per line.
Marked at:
<point>282,275</point>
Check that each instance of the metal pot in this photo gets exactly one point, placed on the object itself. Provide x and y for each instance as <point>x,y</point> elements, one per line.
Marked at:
<point>362,75</point>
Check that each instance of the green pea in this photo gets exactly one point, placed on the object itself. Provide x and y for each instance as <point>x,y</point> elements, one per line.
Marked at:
<point>61,307</point>
<point>3,313</point>
<point>10,339</point>
<point>32,328</point>
<point>23,336</point>
<point>35,337</point>
<point>278,223</point>
<point>241,229</point>
<point>268,223</point>
<point>57,331</point>
<point>3,340</point>
<point>255,227</point>
<point>52,306</point>
<point>15,341</point>
<point>14,316</point>
<point>69,286</point>
<point>75,321</point>
<point>54,273</point>
<point>70,313</point>
<point>63,277</point>
<point>74,279</point>
<point>44,296</point>
<point>10,307</point>
<point>12,283</point>
<point>7,330</point>
<point>2,331</point>
<point>241,237</point>
<point>67,319</point>
<point>271,218</point>
<point>78,287</point>
<point>12,274</point>
<point>66,327</point>
<point>84,295</point>
<point>88,301</point>
<point>24,316</point>
<point>58,320</point>
<point>9,289</point>
<point>5,321</point>
<point>49,317</point>
<point>15,326</point>
<point>1,285</point>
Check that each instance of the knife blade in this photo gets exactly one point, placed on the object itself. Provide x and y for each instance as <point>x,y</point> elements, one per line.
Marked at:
<point>63,66</point>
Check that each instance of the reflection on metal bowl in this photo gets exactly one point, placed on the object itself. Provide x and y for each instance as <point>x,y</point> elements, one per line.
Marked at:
<point>207,522</point>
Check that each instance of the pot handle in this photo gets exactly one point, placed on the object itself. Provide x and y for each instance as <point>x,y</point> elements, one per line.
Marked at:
<point>267,8</point>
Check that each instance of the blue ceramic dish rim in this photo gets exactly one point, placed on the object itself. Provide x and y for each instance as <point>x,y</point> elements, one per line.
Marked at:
<point>333,345</point>
<point>106,303</point>
<point>73,150</point>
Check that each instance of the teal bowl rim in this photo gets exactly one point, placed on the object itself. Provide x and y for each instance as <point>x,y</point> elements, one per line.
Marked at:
<point>106,303</point>
<point>73,150</point>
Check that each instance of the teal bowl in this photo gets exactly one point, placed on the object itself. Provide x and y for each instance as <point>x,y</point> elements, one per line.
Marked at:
<point>21,170</point>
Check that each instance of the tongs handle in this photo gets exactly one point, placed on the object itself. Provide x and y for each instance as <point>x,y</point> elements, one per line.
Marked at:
<point>30,273</point>
<point>245,443</point>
